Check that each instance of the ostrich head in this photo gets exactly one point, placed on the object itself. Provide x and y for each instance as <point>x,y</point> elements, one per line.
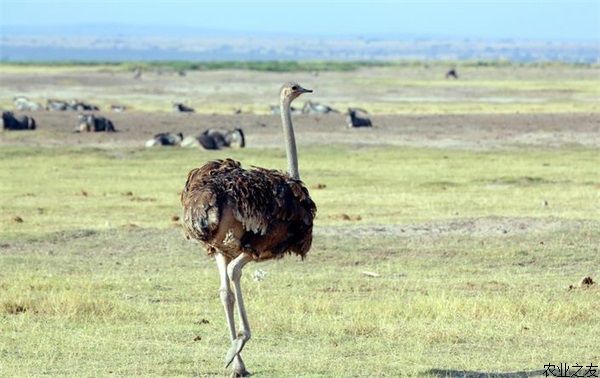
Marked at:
<point>291,90</point>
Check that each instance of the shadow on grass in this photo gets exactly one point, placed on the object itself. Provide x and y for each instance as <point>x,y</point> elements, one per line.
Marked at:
<point>481,374</point>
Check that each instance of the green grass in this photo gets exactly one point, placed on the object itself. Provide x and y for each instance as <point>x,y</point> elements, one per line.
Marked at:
<point>473,269</point>
<point>133,303</point>
<point>405,87</point>
<point>46,186</point>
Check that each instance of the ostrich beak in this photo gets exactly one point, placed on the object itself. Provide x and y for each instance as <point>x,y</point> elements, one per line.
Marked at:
<point>304,90</point>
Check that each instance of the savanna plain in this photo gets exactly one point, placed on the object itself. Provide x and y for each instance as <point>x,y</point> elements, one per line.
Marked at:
<point>450,239</point>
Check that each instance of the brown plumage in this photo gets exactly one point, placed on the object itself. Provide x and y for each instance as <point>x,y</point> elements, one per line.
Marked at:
<point>242,215</point>
<point>261,212</point>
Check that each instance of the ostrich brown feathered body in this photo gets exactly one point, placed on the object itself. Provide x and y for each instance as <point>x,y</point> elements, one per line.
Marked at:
<point>261,212</point>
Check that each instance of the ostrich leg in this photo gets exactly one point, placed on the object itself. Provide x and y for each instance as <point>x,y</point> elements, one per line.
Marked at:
<point>228,299</point>
<point>234,271</point>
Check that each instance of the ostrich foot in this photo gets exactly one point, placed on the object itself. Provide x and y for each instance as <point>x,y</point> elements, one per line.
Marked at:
<point>240,373</point>
<point>236,347</point>
<point>239,369</point>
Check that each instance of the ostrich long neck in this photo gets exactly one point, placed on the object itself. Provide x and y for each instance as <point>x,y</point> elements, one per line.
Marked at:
<point>290,140</point>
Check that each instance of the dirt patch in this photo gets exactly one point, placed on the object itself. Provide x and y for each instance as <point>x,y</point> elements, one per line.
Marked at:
<point>487,226</point>
<point>12,308</point>
<point>142,199</point>
<point>346,217</point>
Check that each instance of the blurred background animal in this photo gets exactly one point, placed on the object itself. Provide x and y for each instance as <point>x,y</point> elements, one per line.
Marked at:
<point>12,122</point>
<point>22,103</point>
<point>353,119</point>
<point>316,108</point>
<point>81,106</point>
<point>165,139</point>
<point>452,74</point>
<point>179,107</point>
<point>93,123</point>
<point>118,108</point>
<point>72,105</point>
<point>56,105</point>
<point>216,139</point>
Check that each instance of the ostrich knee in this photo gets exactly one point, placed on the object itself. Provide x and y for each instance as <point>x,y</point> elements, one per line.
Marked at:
<point>227,297</point>
<point>234,273</point>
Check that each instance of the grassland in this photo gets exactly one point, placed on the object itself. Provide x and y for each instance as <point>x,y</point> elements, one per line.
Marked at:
<point>83,188</point>
<point>473,266</point>
<point>381,88</point>
<point>471,221</point>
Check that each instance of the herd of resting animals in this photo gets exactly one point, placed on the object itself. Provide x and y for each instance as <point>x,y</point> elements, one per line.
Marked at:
<point>238,215</point>
<point>210,139</point>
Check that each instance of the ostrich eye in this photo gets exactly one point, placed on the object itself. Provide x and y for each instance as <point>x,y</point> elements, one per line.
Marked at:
<point>295,88</point>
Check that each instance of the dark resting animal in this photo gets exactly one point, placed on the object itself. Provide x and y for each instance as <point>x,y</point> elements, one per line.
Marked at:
<point>165,139</point>
<point>93,123</point>
<point>81,106</point>
<point>10,122</point>
<point>179,107</point>
<point>215,139</point>
<point>452,74</point>
<point>241,215</point>
<point>354,120</point>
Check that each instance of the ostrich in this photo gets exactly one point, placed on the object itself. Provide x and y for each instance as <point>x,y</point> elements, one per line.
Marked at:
<point>276,110</point>
<point>242,215</point>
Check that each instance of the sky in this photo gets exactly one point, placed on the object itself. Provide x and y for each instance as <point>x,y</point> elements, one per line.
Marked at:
<point>571,20</point>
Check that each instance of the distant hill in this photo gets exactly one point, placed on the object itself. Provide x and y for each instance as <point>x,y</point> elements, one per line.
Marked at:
<point>108,42</point>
